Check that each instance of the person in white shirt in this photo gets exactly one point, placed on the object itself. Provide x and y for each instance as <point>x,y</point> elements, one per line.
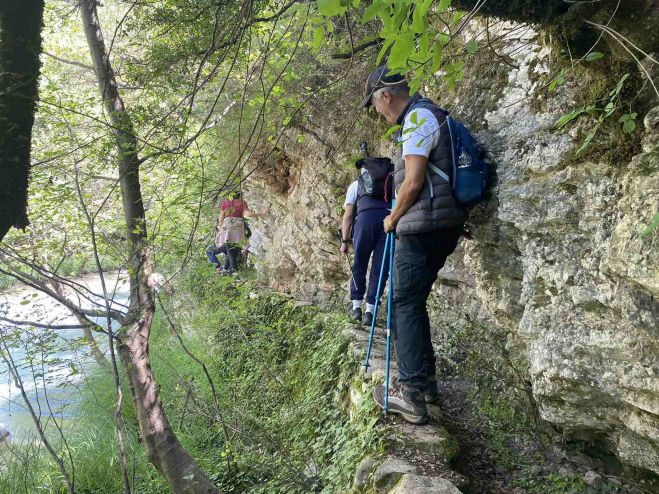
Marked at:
<point>363,217</point>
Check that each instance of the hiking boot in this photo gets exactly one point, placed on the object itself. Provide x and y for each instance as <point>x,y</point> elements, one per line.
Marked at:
<point>432,392</point>
<point>407,402</point>
<point>368,319</point>
<point>356,314</point>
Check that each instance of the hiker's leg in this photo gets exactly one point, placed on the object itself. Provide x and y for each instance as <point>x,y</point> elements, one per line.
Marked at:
<point>379,239</point>
<point>222,249</point>
<point>233,257</point>
<point>379,256</point>
<point>439,245</point>
<point>412,281</point>
<point>210,253</point>
<point>363,248</point>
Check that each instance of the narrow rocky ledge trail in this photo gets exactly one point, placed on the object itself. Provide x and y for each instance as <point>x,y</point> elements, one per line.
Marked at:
<point>416,458</point>
<point>451,454</point>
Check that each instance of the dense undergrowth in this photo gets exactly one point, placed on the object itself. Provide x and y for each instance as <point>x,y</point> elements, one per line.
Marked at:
<point>281,372</point>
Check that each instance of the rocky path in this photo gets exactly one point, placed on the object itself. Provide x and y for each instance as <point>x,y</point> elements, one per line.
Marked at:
<point>416,459</point>
<point>453,453</point>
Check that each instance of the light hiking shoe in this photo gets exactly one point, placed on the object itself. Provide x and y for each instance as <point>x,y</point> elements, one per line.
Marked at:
<point>368,319</point>
<point>356,314</point>
<point>407,402</point>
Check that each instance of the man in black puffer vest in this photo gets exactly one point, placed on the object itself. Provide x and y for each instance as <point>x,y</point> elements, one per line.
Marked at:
<point>427,222</point>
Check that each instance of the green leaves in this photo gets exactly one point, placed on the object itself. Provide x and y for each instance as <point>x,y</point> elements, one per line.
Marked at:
<point>615,92</point>
<point>472,46</point>
<point>453,74</point>
<point>376,9</point>
<point>565,119</point>
<point>593,55</point>
<point>652,226</point>
<point>588,139</point>
<point>331,8</point>
<point>390,131</point>
<point>318,37</point>
<point>410,43</point>
<point>420,19</point>
<point>559,80</point>
<point>401,50</point>
<point>628,121</point>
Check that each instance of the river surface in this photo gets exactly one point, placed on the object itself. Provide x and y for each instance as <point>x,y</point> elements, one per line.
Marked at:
<point>52,363</point>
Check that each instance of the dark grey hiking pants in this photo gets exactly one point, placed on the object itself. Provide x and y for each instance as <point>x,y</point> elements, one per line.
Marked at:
<point>233,257</point>
<point>417,260</point>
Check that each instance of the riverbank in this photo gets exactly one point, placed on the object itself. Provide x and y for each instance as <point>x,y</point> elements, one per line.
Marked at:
<point>42,340</point>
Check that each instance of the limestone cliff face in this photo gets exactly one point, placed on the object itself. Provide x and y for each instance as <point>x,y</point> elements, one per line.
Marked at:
<point>558,259</point>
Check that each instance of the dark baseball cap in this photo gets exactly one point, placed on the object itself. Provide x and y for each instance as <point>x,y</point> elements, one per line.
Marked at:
<point>379,78</point>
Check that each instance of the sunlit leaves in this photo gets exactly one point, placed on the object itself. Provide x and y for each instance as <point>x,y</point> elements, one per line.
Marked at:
<point>331,7</point>
<point>401,49</point>
<point>411,45</point>
<point>318,37</point>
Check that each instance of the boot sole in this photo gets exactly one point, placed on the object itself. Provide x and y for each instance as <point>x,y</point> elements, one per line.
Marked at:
<point>412,419</point>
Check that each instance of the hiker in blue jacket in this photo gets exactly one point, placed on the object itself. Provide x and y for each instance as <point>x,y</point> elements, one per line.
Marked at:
<point>364,212</point>
<point>427,222</point>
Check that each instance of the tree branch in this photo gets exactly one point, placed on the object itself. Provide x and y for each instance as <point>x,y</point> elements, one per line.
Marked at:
<point>346,55</point>
<point>32,282</point>
<point>47,326</point>
<point>68,62</point>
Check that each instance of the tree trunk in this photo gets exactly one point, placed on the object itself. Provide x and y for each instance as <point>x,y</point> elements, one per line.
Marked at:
<point>20,46</point>
<point>163,447</point>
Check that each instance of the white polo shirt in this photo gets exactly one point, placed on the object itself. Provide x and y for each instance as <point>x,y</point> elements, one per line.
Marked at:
<point>351,195</point>
<point>421,137</point>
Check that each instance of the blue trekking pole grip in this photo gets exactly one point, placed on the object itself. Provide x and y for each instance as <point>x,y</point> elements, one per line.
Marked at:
<point>388,239</point>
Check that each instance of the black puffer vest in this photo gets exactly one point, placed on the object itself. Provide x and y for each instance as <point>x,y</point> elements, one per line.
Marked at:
<point>439,210</point>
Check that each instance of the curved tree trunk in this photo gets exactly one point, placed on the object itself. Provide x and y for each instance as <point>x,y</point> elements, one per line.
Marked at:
<point>163,447</point>
<point>20,47</point>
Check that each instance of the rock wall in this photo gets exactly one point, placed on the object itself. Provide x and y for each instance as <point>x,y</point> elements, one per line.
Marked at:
<point>558,257</point>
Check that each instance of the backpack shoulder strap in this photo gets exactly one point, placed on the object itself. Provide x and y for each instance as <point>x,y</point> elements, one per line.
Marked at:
<point>437,171</point>
<point>435,109</point>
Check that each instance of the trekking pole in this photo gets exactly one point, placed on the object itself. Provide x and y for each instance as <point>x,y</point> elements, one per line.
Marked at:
<point>388,238</point>
<point>352,276</point>
<point>389,301</point>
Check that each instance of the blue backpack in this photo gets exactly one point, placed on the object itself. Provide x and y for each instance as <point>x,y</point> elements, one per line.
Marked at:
<point>471,173</point>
